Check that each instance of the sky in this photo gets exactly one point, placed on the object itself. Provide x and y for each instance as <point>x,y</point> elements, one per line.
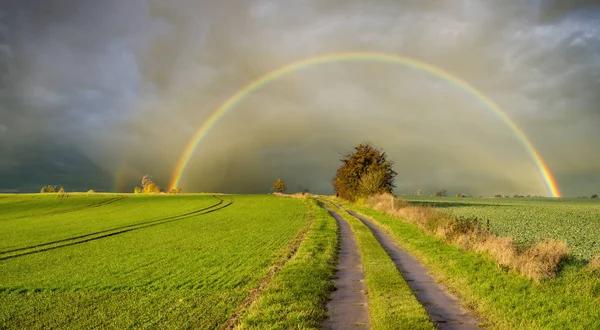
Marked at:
<point>95,94</point>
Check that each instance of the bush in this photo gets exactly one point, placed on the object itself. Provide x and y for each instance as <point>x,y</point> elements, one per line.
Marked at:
<point>175,191</point>
<point>49,189</point>
<point>137,190</point>
<point>91,191</point>
<point>151,188</point>
<point>595,196</point>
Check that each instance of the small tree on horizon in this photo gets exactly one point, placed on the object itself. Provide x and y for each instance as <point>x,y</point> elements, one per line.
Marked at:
<point>279,186</point>
<point>148,186</point>
<point>595,196</point>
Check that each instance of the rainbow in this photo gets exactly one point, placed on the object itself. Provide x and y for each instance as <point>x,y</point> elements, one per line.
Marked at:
<point>269,77</point>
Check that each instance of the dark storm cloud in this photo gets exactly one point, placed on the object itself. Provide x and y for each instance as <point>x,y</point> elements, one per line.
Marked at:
<point>126,84</point>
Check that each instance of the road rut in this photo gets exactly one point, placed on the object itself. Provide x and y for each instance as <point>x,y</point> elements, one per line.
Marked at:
<point>348,308</point>
<point>444,309</point>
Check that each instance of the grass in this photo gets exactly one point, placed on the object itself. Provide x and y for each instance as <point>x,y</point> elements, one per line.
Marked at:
<point>531,220</point>
<point>538,261</point>
<point>392,305</point>
<point>505,300</point>
<point>188,272</point>
<point>298,294</point>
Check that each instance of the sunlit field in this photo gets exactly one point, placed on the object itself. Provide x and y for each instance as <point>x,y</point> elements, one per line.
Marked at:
<point>137,261</point>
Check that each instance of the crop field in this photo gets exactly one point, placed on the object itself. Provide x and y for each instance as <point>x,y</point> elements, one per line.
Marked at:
<point>575,221</point>
<point>138,261</point>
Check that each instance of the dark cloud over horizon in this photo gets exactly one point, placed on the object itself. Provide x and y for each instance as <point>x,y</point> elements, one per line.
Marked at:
<point>97,91</point>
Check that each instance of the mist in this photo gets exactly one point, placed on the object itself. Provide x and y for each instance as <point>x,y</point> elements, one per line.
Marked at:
<point>93,95</point>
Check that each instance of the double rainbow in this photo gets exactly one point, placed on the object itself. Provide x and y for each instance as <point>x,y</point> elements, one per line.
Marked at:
<point>265,79</point>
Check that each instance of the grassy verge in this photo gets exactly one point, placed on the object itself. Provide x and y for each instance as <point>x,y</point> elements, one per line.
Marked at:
<point>297,295</point>
<point>506,300</point>
<point>392,305</point>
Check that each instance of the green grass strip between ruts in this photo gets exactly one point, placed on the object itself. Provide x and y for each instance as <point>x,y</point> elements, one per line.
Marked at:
<point>298,293</point>
<point>392,305</point>
<point>505,300</point>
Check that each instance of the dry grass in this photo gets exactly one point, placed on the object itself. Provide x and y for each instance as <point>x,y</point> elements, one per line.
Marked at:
<point>537,262</point>
<point>541,260</point>
<point>594,264</point>
<point>296,195</point>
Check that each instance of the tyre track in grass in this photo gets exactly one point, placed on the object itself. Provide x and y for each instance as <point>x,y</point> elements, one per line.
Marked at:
<point>79,208</point>
<point>119,230</point>
<point>348,307</point>
<point>255,293</point>
<point>111,229</point>
<point>444,309</point>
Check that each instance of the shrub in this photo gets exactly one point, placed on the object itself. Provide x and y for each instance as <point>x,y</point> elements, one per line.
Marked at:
<point>137,190</point>
<point>49,189</point>
<point>595,196</point>
<point>91,191</point>
<point>151,188</point>
<point>175,191</point>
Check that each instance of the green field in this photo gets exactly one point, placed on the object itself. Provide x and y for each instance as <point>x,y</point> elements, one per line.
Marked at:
<point>138,261</point>
<point>575,221</point>
<point>262,261</point>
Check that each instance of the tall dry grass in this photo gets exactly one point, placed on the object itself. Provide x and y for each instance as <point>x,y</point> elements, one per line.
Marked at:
<point>295,195</point>
<point>537,262</point>
<point>594,264</point>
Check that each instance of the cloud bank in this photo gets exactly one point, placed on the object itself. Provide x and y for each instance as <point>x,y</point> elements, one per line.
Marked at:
<point>96,94</point>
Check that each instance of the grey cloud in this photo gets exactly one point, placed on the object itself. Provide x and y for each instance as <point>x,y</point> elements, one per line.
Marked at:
<point>127,84</point>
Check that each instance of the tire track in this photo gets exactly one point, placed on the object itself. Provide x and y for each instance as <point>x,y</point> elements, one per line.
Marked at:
<point>122,230</point>
<point>111,229</point>
<point>102,203</point>
<point>348,307</point>
<point>444,309</point>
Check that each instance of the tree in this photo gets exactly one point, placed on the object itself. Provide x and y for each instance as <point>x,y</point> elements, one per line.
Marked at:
<point>148,186</point>
<point>458,194</point>
<point>365,171</point>
<point>175,191</point>
<point>49,189</point>
<point>137,190</point>
<point>595,196</point>
<point>279,185</point>
<point>370,183</point>
<point>441,193</point>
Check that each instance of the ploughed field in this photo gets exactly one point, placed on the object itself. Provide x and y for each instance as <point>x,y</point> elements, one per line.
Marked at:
<point>529,220</point>
<point>108,260</point>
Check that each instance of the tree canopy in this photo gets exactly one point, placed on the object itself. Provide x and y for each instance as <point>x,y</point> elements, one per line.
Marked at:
<point>364,172</point>
<point>279,186</point>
